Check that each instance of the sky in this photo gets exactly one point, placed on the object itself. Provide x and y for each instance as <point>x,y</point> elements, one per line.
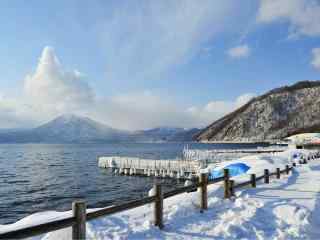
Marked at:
<point>144,64</point>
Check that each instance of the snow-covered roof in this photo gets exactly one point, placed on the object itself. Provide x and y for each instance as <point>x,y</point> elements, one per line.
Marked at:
<point>304,137</point>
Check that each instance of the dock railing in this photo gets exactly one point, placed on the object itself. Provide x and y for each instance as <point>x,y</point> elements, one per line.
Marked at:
<point>80,215</point>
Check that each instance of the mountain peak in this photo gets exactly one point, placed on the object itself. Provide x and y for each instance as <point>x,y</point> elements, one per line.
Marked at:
<point>74,128</point>
<point>70,117</point>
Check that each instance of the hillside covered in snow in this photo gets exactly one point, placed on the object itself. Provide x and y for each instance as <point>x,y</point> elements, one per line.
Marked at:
<point>277,114</point>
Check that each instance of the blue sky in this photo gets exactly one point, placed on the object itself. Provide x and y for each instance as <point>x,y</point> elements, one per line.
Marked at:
<point>169,63</point>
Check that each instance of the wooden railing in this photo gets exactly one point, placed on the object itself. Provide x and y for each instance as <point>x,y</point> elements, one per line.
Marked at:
<point>78,220</point>
<point>230,186</point>
<point>79,217</point>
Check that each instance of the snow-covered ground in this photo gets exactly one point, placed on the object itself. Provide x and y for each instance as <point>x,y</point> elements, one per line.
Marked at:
<point>287,208</point>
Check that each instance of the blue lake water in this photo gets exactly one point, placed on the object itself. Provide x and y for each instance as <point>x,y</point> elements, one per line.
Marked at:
<point>39,177</point>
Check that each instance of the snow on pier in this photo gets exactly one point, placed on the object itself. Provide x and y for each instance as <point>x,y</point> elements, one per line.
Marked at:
<point>212,155</point>
<point>173,168</point>
<point>189,166</point>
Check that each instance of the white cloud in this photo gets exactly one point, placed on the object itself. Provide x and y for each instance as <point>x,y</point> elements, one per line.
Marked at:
<point>48,92</point>
<point>143,41</point>
<point>302,15</point>
<point>141,110</point>
<point>213,110</point>
<point>53,89</point>
<point>14,113</point>
<point>140,42</point>
<point>243,99</point>
<point>146,110</point>
<point>241,51</point>
<point>316,58</point>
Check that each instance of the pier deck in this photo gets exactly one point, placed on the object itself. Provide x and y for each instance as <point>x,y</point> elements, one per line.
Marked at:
<point>188,167</point>
<point>173,168</point>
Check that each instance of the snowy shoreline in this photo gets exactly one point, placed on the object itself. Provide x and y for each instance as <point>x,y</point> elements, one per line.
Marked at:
<point>290,201</point>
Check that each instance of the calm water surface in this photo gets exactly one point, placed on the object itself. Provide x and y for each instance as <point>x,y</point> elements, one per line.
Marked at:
<point>39,177</point>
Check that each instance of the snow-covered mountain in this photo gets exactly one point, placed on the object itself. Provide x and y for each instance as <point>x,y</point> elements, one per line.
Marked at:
<point>277,114</point>
<point>75,129</point>
<point>72,128</point>
<point>156,134</point>
<point>66,129</point>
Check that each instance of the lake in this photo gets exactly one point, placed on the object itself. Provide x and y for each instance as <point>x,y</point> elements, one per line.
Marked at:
<point>40,177</point>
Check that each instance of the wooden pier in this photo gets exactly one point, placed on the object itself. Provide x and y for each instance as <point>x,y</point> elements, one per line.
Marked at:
<point>188,167</point>
<point>173,168</point>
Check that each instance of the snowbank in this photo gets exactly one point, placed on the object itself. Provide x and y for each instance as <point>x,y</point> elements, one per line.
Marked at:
<point>259,162</point>
<point>284,209</point>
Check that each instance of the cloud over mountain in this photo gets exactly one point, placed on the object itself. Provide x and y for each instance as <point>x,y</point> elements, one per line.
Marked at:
<point>134,51</point>
<point>217,109</point>
<point>52,90</point>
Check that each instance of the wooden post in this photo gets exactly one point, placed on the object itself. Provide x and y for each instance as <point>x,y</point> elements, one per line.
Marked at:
<point>231,187</point>
<point>287,169</point>
<point>158,206</point>
<point>253,180</point>
<point>79,212</point>
<point>294,164</point>
<point>203,192</point>
<point>266,176</point>
<point>278,173</point>
<point>226,183</point>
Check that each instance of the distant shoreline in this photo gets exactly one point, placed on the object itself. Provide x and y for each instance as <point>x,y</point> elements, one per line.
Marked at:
<point>241,142</point>
<point>145,142</point>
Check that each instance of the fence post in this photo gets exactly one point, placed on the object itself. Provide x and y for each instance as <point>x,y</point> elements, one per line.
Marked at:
<point>278,173</point>
<point>226,183</point>
<point>253,180</point>
<point>231,187</point>
<point>79,212</point>
<point>158,206</point>
<point>203,192</point>
<point>266,176</point>
<point>287,169</point>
